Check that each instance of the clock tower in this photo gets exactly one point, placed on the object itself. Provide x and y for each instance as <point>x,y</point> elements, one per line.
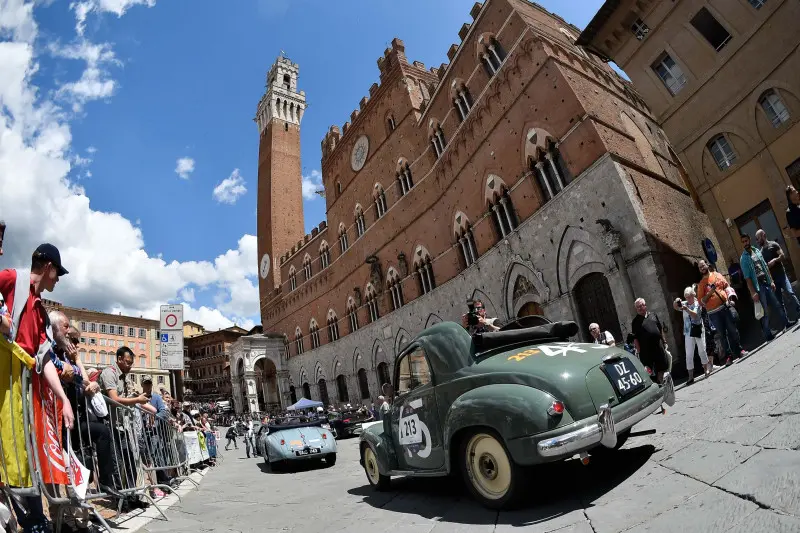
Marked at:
<point>280,190</point>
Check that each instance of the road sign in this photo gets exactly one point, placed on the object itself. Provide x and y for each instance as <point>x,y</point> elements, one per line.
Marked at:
<point>172,350</point>
<point>172,317</point>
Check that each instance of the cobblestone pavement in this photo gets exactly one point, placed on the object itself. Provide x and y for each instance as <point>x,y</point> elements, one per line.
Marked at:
<point>724,458</point>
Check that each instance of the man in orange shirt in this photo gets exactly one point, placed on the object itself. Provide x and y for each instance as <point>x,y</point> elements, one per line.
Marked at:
<point>711,291</point>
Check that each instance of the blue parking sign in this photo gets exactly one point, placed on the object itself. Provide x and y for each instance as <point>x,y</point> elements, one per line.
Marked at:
<point>165,337</point>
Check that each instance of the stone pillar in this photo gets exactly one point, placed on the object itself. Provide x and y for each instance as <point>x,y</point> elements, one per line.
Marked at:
<point>251,392</point>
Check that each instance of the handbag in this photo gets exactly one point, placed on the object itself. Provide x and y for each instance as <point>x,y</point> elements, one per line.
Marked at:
<point>696,331</point>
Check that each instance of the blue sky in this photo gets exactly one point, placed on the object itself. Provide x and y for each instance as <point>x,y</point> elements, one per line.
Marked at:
<point>181,79</point>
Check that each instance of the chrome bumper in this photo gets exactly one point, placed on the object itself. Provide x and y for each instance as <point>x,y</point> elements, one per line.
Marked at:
<point>603,429</point>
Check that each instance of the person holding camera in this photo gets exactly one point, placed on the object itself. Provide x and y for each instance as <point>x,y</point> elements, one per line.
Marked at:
<point>693,332</point>
<point>475,320</point>
<point>712,291</point>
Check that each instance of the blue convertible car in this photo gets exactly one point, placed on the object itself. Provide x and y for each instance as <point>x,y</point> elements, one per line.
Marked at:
<point>286,440</point>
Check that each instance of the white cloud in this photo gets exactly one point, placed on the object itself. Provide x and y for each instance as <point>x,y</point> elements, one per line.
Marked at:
<point>82,9</point>
<point>187,294</point>
<point>104,251</point>
<point>184,167</point>
<point>95,82</point>
<point>311,184</point>
<point>230,189</point>
<point>91,150</point>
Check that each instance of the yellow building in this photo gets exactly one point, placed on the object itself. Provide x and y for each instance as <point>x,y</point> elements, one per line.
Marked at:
<point>722,78</point>
<point>103,333</point>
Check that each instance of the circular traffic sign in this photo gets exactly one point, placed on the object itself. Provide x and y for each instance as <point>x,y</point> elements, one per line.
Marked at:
<point>171,320</point>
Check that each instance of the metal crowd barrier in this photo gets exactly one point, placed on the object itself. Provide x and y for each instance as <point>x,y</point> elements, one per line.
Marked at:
<point>125,454</point>
<point>163,450</point>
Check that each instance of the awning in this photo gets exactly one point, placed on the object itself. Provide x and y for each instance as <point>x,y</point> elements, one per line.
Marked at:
<point>303,403</point>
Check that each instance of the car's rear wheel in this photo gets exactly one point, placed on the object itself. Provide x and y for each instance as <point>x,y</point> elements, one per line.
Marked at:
<point>374,476</point>
<point>489,471</point>
<point>330,459</point>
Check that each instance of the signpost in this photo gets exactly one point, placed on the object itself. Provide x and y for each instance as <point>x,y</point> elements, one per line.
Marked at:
<point>171,337</point>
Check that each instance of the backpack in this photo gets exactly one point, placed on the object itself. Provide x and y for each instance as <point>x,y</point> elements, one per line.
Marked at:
<point>22,287</point>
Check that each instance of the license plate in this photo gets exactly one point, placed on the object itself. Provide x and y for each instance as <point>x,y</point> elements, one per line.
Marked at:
<point>624,377</point>
<point>307,451</point>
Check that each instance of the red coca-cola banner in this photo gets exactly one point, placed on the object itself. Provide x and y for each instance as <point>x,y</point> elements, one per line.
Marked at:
<point>47,426</point>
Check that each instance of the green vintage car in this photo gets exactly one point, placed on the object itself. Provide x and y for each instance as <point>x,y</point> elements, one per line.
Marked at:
<point>491,405</point>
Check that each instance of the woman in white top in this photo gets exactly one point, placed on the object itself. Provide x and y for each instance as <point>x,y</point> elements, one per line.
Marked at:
<point>693,332</point>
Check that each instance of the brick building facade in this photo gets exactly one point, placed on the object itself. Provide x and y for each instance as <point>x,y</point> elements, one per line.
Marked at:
<point>525,173</point>
<point>208,372</point>
<point>102,334</point>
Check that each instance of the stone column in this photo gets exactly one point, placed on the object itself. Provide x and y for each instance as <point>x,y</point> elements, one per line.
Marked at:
<point>252,391</point>
<point>283,389</point>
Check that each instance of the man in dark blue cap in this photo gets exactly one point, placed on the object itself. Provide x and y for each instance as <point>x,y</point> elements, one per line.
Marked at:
<point>30,327</point>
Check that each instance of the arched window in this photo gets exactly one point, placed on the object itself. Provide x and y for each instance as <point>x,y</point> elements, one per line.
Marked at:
<point>436,136</point>
<point>546,164</point>
<point>307,267</point>
<point>352,314</point>
<point>343,244</point>
<point>293,393</point>
<point>306,391</point>
<point>491,54</point>
<point>465,239</point>
<point>383,374</point>
<point>287,82</point>
<point>462,99</point>
<point>773,106</point>
<point>292,278</point>
<point>93,356</point>
<point>404,178</point>
<point>390,123</point>
<point>298,341</point>
<point>286,347</point>
<point>333,326</point>
<point>372,303</point>
<point>722,151</point>
<point>341,388</point>
<point>363,384</point>
<point>395,286</point>
<point>142,361</point>
<point>324,255</point>
<point>361,226</point>
<point>424,270</point>
<point>83,356</point>
<point>500,206</point>
<point>313,329</point>
<point>380,200</point>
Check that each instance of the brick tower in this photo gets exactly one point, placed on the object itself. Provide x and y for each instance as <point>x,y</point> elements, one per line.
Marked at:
<point>280,191</point>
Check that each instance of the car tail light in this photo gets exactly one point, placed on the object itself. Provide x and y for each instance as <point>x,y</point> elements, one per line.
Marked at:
<point>325,436</point>
<point>346,420</point>
<point>283,442</point>
<point>556,409</point>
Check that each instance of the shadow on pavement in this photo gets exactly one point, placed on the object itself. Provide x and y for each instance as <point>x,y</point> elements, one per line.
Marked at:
<point>554,490</point>
<point>293,466</point>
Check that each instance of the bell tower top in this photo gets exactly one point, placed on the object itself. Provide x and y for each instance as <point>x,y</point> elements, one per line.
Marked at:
<point>282,101</point>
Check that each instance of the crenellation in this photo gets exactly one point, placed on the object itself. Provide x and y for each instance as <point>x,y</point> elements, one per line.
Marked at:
<point>462,33</point>
<point>373,89</point>
<point>476,10</point>
<point>363,103</point>
<point>441,71</point>
<point>354,115</point>
<point>451,53</point>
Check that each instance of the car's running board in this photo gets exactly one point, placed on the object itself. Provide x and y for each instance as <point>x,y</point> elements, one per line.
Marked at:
<point>642,433</point>
<point>415,473</point>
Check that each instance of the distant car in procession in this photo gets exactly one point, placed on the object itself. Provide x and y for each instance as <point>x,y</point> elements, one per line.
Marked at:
<point>491,405</point>
<point>287,440</point>
<point>348,423</point>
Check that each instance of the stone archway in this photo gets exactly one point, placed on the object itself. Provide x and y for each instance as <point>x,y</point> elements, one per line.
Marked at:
<point>530,309</point>
<point>293,394</point>
<point>363,384</point>
<point>267,390</point>
<point>306,391</point>
<point>522,287</point>
<point>595,303</point>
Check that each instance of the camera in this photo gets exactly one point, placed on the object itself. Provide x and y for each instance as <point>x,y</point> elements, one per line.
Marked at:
<point>472,314</point>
